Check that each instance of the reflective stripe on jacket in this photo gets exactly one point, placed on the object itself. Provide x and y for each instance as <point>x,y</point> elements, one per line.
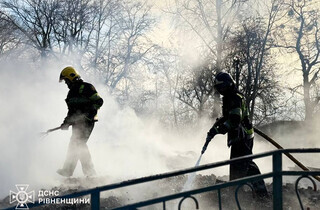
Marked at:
<point>83,101</point>
<point>235,120</point>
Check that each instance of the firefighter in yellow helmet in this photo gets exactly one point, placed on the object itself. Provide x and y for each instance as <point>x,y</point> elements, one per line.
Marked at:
<point>83,103</point>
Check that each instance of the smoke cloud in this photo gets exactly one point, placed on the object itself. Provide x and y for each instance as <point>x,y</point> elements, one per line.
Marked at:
<point>123,146</point>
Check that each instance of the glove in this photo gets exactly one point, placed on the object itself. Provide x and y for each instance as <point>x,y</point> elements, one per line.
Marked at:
<point>64,126</point>
<point>92,112</point>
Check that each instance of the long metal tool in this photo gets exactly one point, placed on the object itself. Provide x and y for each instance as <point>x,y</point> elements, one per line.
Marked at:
<point>44,134</point>
<point>274,143</point>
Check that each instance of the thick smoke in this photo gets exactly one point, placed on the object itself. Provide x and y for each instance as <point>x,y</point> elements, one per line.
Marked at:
<point>123,146</point>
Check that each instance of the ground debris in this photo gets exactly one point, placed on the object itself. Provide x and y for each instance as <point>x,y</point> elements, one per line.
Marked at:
<point>209,200</point>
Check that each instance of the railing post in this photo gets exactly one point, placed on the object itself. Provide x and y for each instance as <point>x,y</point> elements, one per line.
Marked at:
<point>95,200</point>
<point>277,180</point>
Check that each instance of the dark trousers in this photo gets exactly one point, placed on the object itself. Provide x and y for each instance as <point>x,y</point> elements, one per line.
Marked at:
<point>78,149</point>
<point>247,167</point>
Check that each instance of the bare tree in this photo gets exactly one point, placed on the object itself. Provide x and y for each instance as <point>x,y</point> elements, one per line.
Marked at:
<point>73,30</point>
<point>131,44</point>
<point>197,89</point>
<point>209,20</point>
<point>35,19</point>
<point>273,10</point>
<point>10,38</point>
<point>167,72</point>
<point>253,69</point>
<point>214,22</point>
<point>302,29</point>
<point>103,34</point>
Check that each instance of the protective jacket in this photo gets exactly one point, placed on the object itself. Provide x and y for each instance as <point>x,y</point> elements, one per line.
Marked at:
<point>235,119</point>
<point>83,102</point>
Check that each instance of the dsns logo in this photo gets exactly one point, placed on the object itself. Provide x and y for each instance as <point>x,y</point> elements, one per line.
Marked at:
<point>21,197</point>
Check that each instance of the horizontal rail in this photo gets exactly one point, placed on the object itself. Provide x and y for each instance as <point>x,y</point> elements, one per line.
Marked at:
<point>216,187</point>
<point>194,169</point>
<point>197,191</point>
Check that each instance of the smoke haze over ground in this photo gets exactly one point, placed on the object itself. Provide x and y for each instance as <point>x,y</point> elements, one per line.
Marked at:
<point>123,146</point>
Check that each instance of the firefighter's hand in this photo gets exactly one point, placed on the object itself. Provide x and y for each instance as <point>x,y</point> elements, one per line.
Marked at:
<point>64,126</point>
<point>92,112</point>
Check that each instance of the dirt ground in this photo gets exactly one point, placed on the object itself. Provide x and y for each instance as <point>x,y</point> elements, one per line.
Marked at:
<point>209,200</point>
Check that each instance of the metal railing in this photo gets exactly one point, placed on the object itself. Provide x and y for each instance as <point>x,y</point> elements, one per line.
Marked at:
<point>276,174</point>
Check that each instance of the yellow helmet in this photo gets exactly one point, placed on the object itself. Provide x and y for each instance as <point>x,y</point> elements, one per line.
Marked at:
<point>68,73</point>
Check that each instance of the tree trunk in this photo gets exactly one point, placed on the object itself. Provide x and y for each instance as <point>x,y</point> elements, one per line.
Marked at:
<point>306,98</point>
<point>219,35</point>
<point>216,106</point>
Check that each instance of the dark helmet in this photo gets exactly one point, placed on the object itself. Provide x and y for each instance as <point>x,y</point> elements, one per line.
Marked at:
<point>224,83</point>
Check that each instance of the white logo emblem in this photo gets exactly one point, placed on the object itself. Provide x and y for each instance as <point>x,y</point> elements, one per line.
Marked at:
<point>22,197</point>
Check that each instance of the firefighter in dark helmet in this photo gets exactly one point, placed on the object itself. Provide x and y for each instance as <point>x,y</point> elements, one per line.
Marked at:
<point>83,103</point>
<point>236,123</point>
